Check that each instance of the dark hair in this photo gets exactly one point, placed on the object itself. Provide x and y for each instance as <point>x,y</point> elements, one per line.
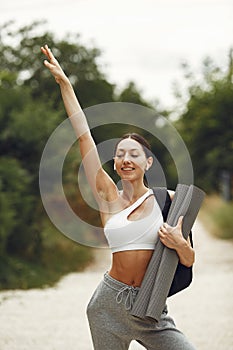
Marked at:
<point>140,139</point>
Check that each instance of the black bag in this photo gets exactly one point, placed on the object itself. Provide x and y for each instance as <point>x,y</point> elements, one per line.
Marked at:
<point>183,275</point>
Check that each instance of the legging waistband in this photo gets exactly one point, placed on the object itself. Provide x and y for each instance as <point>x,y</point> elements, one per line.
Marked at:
<point>115,284</point>
<point>122,288</point>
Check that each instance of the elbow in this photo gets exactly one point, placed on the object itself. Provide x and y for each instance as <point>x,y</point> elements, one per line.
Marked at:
<point>189,264</point>
<point>193,258</point>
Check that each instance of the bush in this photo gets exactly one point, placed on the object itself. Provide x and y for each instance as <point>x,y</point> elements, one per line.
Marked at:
<point>59,256</point>
<point>217,216</point>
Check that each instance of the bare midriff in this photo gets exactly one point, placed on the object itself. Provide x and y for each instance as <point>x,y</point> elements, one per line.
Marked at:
<point>130,266</point>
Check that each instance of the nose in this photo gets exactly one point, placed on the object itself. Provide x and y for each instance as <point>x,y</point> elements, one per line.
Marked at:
<point>126,157</point>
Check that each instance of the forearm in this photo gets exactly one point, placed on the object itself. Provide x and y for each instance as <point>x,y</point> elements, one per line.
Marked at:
<point>74,110</point>
<point>90,157</point>
<point>172,238</point>
<point>186,254</point>
<point>70,100</point>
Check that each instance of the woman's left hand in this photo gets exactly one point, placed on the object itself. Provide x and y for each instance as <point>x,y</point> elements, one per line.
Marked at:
<point>171,236</point>
<point>53,65</point>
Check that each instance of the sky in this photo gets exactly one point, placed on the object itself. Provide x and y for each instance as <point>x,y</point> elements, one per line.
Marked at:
<point>140,40</point>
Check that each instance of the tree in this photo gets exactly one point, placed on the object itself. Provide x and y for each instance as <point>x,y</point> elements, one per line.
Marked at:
<point>132,94</point>
<point>207,123</point>
<point>30,110</point>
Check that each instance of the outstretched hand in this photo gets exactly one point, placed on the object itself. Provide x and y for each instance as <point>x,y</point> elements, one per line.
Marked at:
<point>53,65</point>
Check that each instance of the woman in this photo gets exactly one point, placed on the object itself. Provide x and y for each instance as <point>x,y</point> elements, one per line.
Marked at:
<point>132,223</point>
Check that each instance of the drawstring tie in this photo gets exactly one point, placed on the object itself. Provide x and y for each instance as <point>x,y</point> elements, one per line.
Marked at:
<point>132,291</point>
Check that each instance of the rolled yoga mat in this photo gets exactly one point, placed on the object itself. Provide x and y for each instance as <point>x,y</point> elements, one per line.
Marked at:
<point>158,278</point>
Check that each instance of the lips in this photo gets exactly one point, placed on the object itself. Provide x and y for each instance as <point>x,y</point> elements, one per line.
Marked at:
<point>127,169</point>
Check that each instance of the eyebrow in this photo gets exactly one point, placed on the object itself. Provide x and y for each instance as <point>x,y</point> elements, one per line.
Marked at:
<point>132,149</point>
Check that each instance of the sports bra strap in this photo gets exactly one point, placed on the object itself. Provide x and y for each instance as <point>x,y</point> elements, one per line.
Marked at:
<point>139,201</point>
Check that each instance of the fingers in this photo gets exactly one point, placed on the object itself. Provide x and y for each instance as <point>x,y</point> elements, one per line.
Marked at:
<point>47,52</point>
<point>179,224</point>
<point>163,228</point>
<point>44,51</point>
<point>47,64</point>
<point>166,229</point>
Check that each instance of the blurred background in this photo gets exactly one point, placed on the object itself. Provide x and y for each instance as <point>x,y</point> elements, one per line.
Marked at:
<point>172,56</point>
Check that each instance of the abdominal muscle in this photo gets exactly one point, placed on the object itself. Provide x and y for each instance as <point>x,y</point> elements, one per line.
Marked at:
<point>130,266</point>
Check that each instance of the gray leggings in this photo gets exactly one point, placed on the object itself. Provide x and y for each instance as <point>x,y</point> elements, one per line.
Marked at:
<point>113,328</point>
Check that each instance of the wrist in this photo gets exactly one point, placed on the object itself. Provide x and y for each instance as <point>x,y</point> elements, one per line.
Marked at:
<point>182,246</point>
<point>63,81</point>
<point>186,254</point>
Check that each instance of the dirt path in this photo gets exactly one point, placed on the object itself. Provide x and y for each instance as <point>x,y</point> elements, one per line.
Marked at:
<point>54,318</point>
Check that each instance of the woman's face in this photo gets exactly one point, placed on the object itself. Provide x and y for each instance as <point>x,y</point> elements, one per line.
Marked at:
<point>130,160</point>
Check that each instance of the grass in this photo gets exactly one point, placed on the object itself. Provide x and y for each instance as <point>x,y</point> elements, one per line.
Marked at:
<point>217,216</point>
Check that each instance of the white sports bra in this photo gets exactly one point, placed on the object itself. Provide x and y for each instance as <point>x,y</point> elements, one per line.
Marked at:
<point>124,234</point>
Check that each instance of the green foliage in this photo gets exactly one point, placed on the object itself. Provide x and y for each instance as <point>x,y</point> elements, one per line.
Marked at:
<point>16,207</point>
<point>31,108</point>
<point>132,94</point>
<point>60,256</point>
<point>104,92</point>
<point>223,218</point>
<point>217,216</point>
<point>207,123</point>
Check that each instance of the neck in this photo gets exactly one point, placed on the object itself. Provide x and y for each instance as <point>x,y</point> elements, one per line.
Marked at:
<point>133,190</point>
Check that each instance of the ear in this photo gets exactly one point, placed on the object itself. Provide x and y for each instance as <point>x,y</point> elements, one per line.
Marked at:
<point>149,163</point>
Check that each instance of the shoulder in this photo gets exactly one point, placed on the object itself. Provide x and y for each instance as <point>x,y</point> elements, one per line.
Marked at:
<point>163,190</point>
<point>171,194</point>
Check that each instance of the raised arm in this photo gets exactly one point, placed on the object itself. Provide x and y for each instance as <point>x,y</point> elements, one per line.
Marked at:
<point>99,180</point>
